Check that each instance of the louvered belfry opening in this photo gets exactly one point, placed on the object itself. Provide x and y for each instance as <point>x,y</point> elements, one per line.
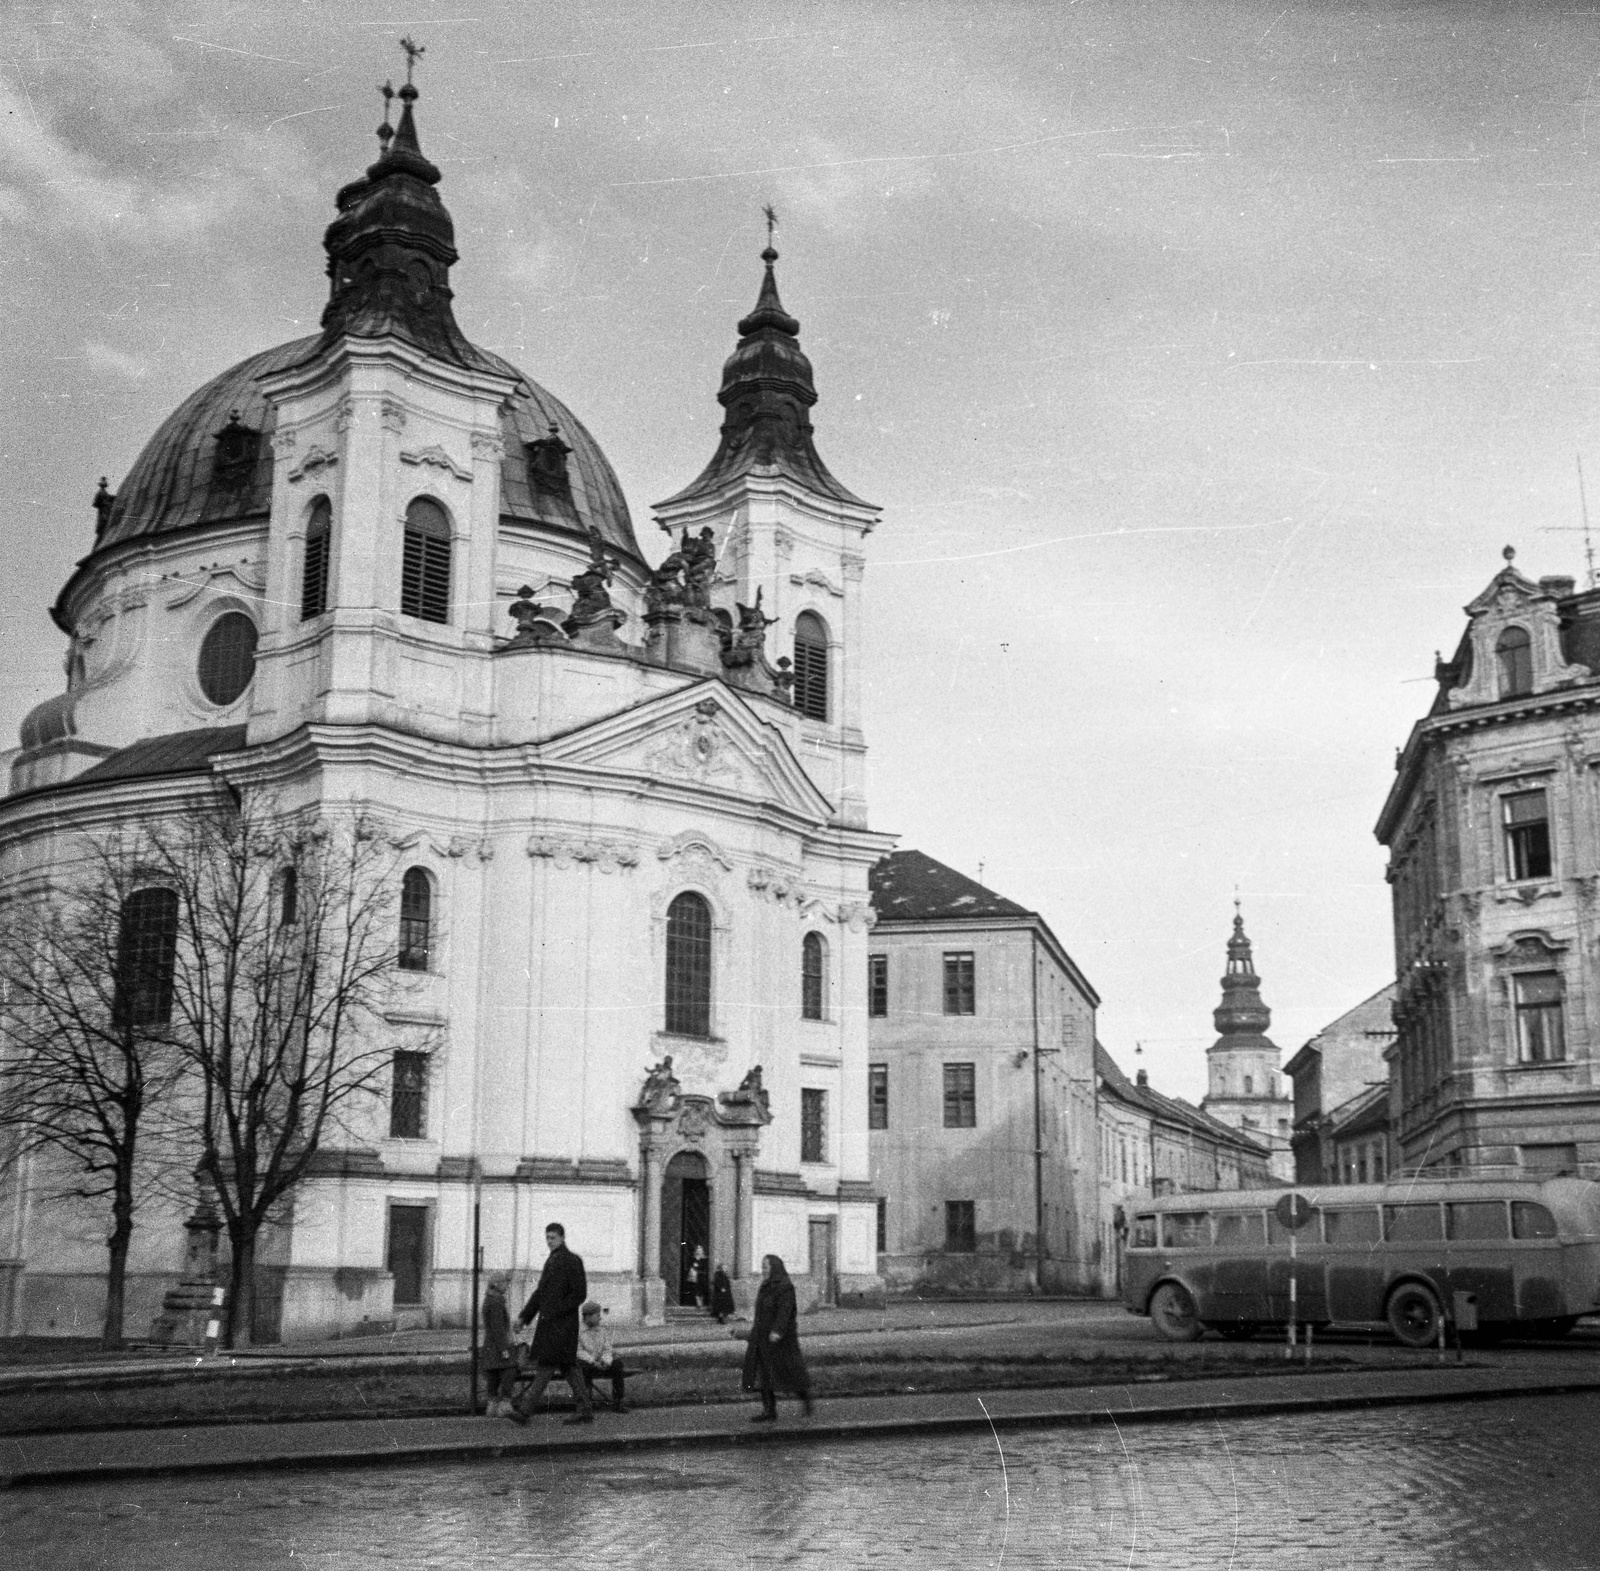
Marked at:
<point>314,580</point>
<point>810,666</point>
<point>425,571</point>
<point>689,966</point>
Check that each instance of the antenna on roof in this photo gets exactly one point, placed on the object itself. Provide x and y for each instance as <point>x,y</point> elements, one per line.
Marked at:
<point>980,872</point>
<point>1583,529</point>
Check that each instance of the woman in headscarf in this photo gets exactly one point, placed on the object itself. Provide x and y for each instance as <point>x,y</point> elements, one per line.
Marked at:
<point>773,1359</point>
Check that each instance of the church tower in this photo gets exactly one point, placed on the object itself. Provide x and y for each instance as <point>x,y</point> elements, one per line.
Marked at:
<point>786,530</point>
<point>1244,1088</point>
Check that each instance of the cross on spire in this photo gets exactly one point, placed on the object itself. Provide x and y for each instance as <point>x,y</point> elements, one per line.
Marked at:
<point>772,222</point>
<point>414,52</point>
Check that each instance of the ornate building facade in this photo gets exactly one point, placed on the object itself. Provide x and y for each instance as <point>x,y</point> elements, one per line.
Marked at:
<point>381,569</point>
<point>1244,1089</point>
<point>1493,832</point>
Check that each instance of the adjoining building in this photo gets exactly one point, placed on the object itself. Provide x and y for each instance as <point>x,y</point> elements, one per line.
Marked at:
<point>1341,1096</point>
<point>981,1102</point>
<point>1151,1144</point>
<point>1494,862</point>
<point>381,571</point>
<point>1244,1090</point>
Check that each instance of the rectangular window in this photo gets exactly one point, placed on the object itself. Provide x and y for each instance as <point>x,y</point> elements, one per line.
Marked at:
<point>883,1225</point>
<point>1531,1220</point>
<point>1527,822</point>
<point>1186,1229</point>
<point>960,1096</point>
<point>1541,1033</point>
<point>1473,1221</point>
<point>877,1096</point>
<point>878,986</point>
<point>1241,1230</point>
<point>813,1126</point>
<point>1144,1233</point>
<point>1412,1225</point>
<point>1356,1226</point>
<point>408,1097</point>
<point>960,1227</point>
<point>959,995</point>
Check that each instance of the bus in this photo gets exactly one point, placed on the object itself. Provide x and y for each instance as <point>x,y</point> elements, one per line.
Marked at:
<point>1404,1253</point>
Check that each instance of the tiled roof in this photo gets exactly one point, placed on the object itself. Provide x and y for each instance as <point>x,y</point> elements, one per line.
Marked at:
<point>909,886</point>
<point>177,753</point>
<point>1171,1108</point>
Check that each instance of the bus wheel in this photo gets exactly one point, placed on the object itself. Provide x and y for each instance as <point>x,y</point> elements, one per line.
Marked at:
<point>1414,1315</point>
<point>1174,1314</point>
<point>1239,1330</point>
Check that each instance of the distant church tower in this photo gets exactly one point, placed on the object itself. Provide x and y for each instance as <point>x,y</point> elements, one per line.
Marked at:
<point>1245,1090</point>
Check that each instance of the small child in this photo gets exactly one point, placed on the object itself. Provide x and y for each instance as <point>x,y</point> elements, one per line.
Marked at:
<point>597,1357</point>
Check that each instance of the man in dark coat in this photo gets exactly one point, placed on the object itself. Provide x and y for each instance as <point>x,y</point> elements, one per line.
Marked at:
<point>773,1358</point>
<point>556,1301</point>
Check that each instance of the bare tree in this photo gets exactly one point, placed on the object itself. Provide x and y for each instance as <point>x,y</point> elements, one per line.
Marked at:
<point>85,1061</point>
<point>285,938</point>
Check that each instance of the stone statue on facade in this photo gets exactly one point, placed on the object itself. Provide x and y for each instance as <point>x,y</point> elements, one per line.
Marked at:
<point>660,1085</point>
<point>750,1100</point>
<point>592,609</point>
<point>745,642</point>
<point>536,624</point>
<point>699,556</point>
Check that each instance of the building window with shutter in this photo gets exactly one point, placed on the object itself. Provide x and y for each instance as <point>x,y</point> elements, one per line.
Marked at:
<point>425,566</point>
<point>1527,828</point>
<point>813,1126</point>
<point>960,1227</point>
<point>689,966</point>
<point>877,1096</point>
<point>878,986</point>
<point>408,1097</point>
<point>811,666</point>
<point>1514,654</point>
<point>147,952</point>
<point>960,994</point>
<point>416,920</point>
<point>813,977</point>
<point>314,576</point>
<point>1541,1030</point>
<point>960,1096</point>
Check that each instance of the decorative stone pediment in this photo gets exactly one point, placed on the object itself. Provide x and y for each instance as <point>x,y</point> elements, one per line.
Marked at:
<point>1531,946</point>
<point>316,458</point>
<point>435,457</point>
<point>704,736</point>
<point>220,577</point>
<point>1512,603</point>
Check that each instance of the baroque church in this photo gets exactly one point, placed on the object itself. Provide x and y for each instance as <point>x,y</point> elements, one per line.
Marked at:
<point>382,568</point>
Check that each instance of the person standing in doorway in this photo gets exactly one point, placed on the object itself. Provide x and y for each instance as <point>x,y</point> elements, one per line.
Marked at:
<point>700,1277</point>
<point>721,1295</point>
<point>773,1359</point>
<point>499,1347</point>
<point>557,1301</point>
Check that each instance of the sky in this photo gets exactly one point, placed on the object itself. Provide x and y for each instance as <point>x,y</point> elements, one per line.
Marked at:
<point>1202,356</point>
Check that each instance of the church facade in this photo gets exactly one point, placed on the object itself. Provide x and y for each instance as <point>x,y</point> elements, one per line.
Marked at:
<point>381,570</point>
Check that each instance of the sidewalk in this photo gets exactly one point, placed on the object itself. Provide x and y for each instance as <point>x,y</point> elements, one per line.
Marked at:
<point>56,1459</point>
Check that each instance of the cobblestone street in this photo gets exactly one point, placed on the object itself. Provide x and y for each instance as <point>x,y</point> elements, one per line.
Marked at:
<point>1467,1485</point>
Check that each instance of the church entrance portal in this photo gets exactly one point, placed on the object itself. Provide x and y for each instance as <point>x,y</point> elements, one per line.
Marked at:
<point>685,1223</point>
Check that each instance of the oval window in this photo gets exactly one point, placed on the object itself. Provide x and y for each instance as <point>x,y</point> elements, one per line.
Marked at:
<point>228,657</point>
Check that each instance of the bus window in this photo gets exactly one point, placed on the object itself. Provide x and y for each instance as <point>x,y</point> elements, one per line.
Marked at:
<point>1359,1225</point>
<point>1240,1230</point>
<point>1186,1230</point>
<point>1529,1220</point>
<point>1411,1224</point>
<point>1278,1234</point>
<point>1144,1233</point>
<point>1473,1221</point>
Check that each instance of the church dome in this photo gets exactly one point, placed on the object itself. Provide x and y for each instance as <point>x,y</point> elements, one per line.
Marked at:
<point>211,461</point>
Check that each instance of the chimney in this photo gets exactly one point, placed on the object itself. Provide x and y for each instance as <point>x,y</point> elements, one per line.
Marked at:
<point>1143,1077</point>
<point>1559,586</point>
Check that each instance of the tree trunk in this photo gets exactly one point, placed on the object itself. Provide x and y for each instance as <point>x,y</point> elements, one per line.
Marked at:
<point>117,1271</point>
<point>242,1287</point>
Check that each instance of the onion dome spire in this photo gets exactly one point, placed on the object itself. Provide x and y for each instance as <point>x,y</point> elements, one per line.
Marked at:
<point>767,392</point>
<point>391,248</point>
<point>1241,1012</point>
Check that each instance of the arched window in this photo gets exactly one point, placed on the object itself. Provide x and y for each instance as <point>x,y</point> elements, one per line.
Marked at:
<point>1249,1085</point>
<point>1515,654</point>
<point>689,966</point>
<point>147,948</point>
<point>319,542</point>
<point>288,897</point>
<point>813,976</point>
<point>416,919</point>
<point>811,666</point>
<point>228,658</point>
<point>425,570</point>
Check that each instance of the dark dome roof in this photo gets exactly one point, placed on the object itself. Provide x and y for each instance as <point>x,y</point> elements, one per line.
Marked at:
<point>186,477</point>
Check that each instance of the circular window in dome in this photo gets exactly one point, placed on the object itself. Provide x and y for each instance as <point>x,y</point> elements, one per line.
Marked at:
<point>228,657</point>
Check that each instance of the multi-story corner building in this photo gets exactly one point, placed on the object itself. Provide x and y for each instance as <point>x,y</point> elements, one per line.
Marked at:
<point>1244,1089</point>
<point>1151,1144</point>
<point>1341,1096</point>
<point>1493,832</point>
<point>981,1105</point>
